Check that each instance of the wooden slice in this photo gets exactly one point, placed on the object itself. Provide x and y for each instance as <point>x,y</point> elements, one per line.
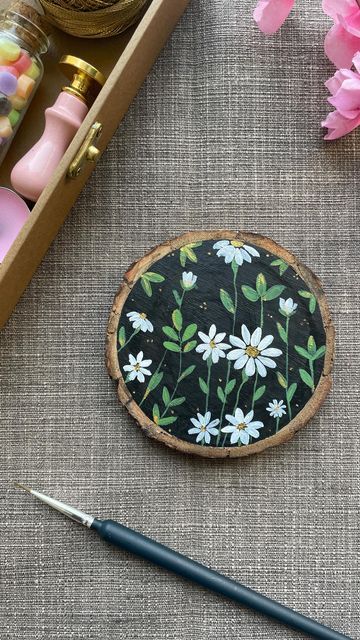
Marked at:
<point>221,343</point>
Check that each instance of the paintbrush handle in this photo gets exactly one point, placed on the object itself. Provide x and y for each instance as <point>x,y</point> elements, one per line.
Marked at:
<point>162,556</point>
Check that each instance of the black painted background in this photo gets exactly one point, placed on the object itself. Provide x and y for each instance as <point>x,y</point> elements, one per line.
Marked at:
<point>202,305</point>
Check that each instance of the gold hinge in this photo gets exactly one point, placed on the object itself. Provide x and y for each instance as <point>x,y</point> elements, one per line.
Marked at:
<point>88,152</point>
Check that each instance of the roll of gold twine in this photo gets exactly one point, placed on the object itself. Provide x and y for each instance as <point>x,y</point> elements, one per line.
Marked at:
<point>93,18</point>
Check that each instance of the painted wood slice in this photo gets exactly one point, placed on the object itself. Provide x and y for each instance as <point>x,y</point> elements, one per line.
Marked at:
<point>221,343</point>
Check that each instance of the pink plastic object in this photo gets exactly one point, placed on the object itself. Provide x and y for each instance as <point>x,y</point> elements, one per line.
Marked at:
<point>32,173</point>
<point>13,215</point>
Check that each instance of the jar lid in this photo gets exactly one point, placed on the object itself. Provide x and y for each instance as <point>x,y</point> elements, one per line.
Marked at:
<point>221,343</point>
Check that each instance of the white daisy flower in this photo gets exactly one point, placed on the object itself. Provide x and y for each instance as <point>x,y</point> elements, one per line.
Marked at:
<point>241,427</point>
<point>276,408</point>
<point>287,307</point>
<point>235,250</point>
<point>211,345</point>
<point>204,427</point>
<point>252,352</point>
<point>188,280</point>
<point>137,367</point>
<point>140,321</point>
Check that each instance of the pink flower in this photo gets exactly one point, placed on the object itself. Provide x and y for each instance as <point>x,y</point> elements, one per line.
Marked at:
<point>269,15</point>
<point>343,39</point>
<point>344,87</point>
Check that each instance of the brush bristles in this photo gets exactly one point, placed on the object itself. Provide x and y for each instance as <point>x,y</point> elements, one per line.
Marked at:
<point>22,486</point>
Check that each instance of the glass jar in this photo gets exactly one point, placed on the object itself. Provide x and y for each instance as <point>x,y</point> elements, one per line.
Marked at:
<point>22,42</point>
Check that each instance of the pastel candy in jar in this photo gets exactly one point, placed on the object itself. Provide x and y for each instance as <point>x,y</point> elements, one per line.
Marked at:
<point>22,43</point>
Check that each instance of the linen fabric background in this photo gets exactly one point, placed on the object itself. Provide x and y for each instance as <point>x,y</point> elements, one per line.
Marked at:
<point>224,133</point>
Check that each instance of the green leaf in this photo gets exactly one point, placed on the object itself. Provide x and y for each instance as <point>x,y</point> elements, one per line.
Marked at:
<point>244,377</point>
<point>146,286</point>
<point>274,292</point>
<point>190,346</point>
<point>171,346</point>
<point>312,304</point>
<point>303,353</point>
<point>227,301</point>
<point>187,252</point>
<point>165,396</point>
<point>221,394</point>
<point>177,297</point>
<point>305,294</point>
<point>291,391</point>
<point>230,386</point>
<point>163,422</point>
<point>170,333</point>
<point>203,386</point>
<point>276,263</point>
<point>283,268</point>
<point>122,336</point>
<point>182,258</point>
<point>154,381</point>
<point>189,332</point>
<point>261,284</point>
<point>175,402</point>
<point>187,372</point>
<point>282,332</point>
<point>320,352</point>
<point>249,293</point>
<point>306,377</point>
<point>156,412</point>
<point>311,345</point>
<point>177,319</point>
<point>259,393</point>
<point>281,380</point>
<point>153,277</point>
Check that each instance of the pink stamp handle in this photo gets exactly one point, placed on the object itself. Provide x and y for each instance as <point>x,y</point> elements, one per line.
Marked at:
<point>33,171</point>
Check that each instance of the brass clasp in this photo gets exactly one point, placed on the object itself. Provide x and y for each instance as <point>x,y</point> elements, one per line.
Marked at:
<point>88,152</point>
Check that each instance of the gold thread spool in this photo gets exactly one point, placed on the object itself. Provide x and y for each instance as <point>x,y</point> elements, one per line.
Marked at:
<point>89,21</point>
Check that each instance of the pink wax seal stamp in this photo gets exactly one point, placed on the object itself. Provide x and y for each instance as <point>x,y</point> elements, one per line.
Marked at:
<point>13,215</point>
<point>34,170</point>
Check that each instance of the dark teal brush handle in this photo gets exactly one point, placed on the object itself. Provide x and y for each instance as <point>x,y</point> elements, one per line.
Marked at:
<point>142,546</point>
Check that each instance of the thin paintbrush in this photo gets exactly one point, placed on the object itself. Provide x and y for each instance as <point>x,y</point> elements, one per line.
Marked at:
<point>142,546</point>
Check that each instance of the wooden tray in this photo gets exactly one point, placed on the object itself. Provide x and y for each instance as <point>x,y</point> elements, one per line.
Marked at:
<point>126,59</point>
<point>221,343</point>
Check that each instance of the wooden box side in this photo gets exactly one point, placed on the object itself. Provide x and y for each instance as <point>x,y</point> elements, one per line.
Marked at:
<point>110,107</point>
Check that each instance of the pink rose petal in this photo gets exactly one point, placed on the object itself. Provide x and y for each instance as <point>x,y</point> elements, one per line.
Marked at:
<point>334,83</point>
<point>347,97</point>
<point>336,8</point>
<point>269,15</point>
<point>341,46</point>
<point>338,125</point>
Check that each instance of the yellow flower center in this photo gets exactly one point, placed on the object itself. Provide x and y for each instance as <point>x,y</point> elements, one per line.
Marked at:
<point>203,427</point>
<point>241,426</point>
<point>143,315</point>
<point>252,352</point>
<point>212,344</point>
<point>236,243</point>
<point>137,367</point>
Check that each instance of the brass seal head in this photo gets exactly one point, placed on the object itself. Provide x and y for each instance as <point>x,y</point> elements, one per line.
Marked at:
<point>86,80</point>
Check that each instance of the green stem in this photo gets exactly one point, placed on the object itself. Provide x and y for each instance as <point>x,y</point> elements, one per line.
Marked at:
<point>254,389</point>
<point>277,425</point>
<point>235,271</point>
<point>287,367</point>
<point>235,405</point>
<point>147,393</point>
<point>127,341</point>
<point>209,363</point>
<point>261,312</point>
<point>311,365</point>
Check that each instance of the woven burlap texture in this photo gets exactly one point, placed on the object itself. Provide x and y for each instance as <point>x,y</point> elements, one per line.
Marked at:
<point>224,133</point>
